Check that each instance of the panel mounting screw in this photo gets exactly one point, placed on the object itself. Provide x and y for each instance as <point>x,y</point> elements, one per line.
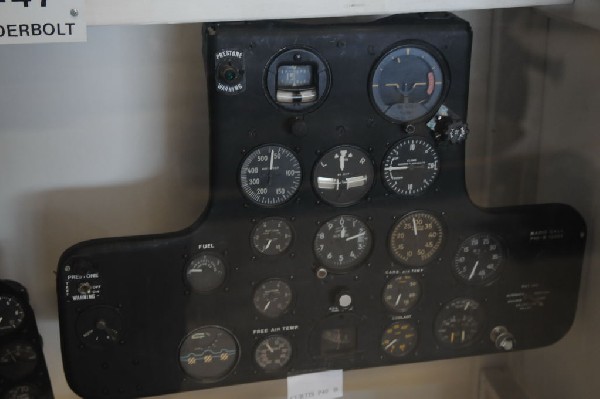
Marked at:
<point>74,12</point>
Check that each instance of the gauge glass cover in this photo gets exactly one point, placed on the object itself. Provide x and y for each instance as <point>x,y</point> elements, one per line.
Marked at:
<point>209,353</point>
<point>273,353</point>
<point>17,360</point>
<point>479,259</point>
<point>270,175</point>
<point>459,322</point>
<point>205,272</point>
<point>410,167</point>
<point>399,339</point>
<point>343,175</point>
<point>272,298</point>
<point>342,243</point>
<point>12,314</point>
<point>401,293</point>
<point>407,84</point>
<point>416,238</point>
<point>272,236</point>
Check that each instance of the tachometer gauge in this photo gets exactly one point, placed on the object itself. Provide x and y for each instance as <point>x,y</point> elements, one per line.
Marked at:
<point>209,353</point>
<point>343,175</point>
<point>410,167</point>
<point>205,272</point>
<point>459,322</point>
<point>270,175</point>
<point>271,236</point>
<point>273,353</point>
<point>399,339</point>
<point>407,84</point>
<point>11,314</point>
<point>342,243</point>
<point>401,293</point>
<point>478,259</point>
<point>272,298</point>
<point>416,238</point>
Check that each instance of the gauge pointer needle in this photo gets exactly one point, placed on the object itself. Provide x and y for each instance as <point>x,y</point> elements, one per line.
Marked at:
<point>355,236</point>
<point>391,343</point>
<point>414,226</point>
<point>398,299</point>
<point>271,161</point>
<point>269,348</point>
<point>473,271</point>
<point>267,305</point>
<point>268,244</point>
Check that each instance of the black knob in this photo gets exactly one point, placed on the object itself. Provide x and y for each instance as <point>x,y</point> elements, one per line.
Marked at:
<point>229,73</point>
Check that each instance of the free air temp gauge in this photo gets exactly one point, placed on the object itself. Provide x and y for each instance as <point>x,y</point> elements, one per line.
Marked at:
<point>408,83</point>
<point>273,353</point>
<point>270,175</point>
<point>343,175</point>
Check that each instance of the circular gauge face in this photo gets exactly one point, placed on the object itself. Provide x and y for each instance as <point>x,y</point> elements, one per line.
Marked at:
<point>22,392</point>
<point>416,238</point>
<point>478,259</point>
<point>100,327</point>
<point>209,353</point>
<point>410,167</point>
<point>12,314</point>
<point>342,243</point>
<point>407,84</point>
<point>271,236</point>
<point>17,359</point>
<point>205,272</point>
<point>270,175</point>
<point>272,298</point>
<point>459,322</point>
<point>343,175</point>
<point>401,293</point>
<point>399,339</point>
<point>273,353</point>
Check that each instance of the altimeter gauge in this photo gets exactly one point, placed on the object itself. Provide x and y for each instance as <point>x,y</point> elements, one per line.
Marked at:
<point>408,83</point>
<point>270,175</point>
<point>416,238</point>
<point>343,175</point>
<point>343,243</point>
<point>410,166</point>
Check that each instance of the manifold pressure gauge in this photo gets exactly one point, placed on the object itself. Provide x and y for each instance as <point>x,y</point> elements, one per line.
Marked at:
<point>270,175</point>
<point>478,259</point>
<point>407,83</point>
<point>416,238</point>
<point>410,166</point>
<point>273,353</point>
<point>343,175</point>
<point>343,243</point>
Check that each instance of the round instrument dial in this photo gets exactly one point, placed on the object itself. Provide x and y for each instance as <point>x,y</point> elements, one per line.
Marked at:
<point>401,293</point>
<point>209,353</point>
<point>23,392</point>
<point>342,243</point>
<point>270,175</point>
<point>410,167</point>
<point>273,353</point>
<point>399,339</point>
<point>100,327</point>
<point>17,359</point>
<point>459,322</point>
<point>343,175</point>
<point>407,84</point>
<point>416,238</point>
<point>272,298</point>
<point>12,314</point>
<point>205,272</point>
<point>478,259</point>
<point>272,236</point>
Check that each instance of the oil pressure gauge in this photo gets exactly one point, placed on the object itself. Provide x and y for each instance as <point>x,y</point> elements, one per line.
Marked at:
<point>343,175</point>
<point>408,83</point>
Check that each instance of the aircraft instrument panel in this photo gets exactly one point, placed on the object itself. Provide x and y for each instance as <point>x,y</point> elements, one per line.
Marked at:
<point>339,231</point>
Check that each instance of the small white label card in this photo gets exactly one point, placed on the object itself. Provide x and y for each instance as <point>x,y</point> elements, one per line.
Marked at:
<point>323,385</point>
<point>42,21</point>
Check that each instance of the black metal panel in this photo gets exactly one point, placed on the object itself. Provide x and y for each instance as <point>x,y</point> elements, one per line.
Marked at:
<point>138,284</point>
